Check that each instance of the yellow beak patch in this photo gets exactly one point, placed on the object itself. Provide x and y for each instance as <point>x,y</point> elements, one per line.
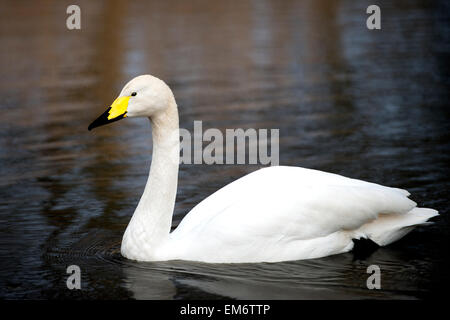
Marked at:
<point>118,108</point>
<point>117,111</point>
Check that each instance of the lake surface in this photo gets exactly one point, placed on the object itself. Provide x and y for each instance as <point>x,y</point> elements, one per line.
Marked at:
<point>372,105</point>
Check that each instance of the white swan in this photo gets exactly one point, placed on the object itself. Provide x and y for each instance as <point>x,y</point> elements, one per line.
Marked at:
<point>273,214</point>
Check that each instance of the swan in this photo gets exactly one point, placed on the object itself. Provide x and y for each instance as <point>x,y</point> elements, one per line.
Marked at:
<point>273,214</point>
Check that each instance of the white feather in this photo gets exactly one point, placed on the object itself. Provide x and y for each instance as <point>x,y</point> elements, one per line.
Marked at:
<point>288,213</point>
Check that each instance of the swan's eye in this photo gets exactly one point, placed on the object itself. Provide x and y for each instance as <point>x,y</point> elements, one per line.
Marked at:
<point>133,94</point>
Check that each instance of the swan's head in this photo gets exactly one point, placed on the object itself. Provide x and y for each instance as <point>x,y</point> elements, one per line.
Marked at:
<point>143,96</point>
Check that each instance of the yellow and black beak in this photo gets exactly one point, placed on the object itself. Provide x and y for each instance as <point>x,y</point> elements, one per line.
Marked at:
<point>117,111</point>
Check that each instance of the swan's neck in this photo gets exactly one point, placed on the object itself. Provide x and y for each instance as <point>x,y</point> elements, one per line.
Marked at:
<point>150,225</point>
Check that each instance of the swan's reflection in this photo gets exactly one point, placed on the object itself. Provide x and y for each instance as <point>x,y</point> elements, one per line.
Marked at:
<point>336,277</point>
<point>147,283</point>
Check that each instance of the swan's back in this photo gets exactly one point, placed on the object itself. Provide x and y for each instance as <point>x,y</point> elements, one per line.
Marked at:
<point>288,213</point>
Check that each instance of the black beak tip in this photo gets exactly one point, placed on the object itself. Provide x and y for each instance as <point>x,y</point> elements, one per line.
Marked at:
<point>103,119</point>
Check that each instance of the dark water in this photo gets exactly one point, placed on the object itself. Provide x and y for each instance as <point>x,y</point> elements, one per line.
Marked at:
<point>367,104</point>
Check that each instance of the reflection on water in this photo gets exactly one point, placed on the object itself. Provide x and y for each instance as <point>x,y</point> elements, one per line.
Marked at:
<point>366,104</point>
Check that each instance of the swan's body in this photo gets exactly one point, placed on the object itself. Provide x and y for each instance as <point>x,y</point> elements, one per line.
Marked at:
<point>273,214</point>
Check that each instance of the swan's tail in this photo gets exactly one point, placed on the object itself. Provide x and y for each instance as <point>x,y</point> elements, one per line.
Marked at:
<point>388,228</point>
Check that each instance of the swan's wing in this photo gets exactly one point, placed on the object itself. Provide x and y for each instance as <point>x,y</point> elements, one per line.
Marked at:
<point>286,204</point>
